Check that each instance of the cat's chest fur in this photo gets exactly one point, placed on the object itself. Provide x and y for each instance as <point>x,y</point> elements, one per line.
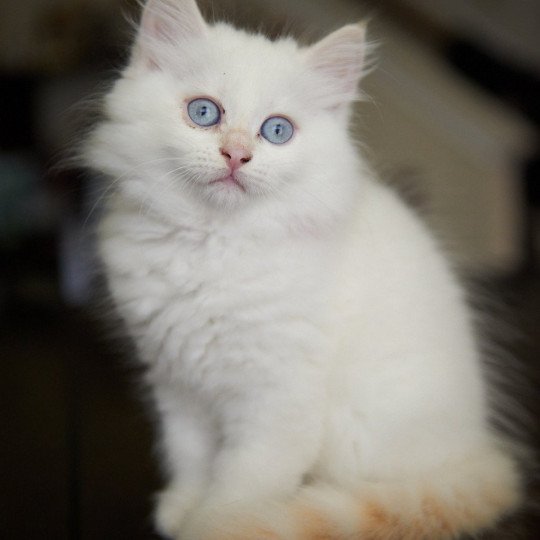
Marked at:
<point>202,302</point>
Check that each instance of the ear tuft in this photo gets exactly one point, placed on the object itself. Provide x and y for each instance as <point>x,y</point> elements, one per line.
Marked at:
<point>340,58</point>
<point>166,22</point>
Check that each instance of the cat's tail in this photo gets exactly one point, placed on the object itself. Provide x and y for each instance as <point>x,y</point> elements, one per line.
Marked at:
<point>463,498</point>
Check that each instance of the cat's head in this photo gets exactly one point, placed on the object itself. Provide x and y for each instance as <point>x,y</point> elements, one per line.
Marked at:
<point>227,118</point>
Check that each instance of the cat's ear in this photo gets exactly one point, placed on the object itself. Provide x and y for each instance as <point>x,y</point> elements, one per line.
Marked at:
<point>339,58</point>
<point>166,22</point>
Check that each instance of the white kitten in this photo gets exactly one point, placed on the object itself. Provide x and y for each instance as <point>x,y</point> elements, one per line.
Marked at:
<point>310,353</point>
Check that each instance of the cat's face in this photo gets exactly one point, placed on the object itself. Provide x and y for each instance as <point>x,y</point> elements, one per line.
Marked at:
<point>226,117</point>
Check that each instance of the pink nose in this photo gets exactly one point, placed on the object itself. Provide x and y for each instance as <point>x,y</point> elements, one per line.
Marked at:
<point>235,156</point>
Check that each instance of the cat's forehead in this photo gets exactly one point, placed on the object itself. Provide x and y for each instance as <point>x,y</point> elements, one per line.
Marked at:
<point>248,72</point>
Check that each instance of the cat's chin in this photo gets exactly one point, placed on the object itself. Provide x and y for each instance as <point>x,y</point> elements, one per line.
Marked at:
<point>227,191</point>
<point>229,182</point>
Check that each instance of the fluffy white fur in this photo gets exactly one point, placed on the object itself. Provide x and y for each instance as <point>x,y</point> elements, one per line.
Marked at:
<point>311,355</point>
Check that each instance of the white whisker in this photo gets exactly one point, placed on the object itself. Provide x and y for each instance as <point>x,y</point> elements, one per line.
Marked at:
<point>111,184</point>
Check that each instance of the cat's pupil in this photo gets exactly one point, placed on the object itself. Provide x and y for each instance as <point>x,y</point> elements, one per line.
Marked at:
<point>278,130</point>
<point>203,110</point>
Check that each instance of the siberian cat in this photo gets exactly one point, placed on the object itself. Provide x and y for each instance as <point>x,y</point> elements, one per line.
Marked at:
<point>310,353</point>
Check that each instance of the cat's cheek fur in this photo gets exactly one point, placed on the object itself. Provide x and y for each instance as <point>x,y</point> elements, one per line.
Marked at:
<point>310,354</point>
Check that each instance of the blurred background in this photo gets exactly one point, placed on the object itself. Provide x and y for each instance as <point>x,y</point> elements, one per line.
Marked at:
<point>451,118</point>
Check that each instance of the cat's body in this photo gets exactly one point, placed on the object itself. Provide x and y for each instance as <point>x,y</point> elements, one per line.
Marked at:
<point>310,353</point>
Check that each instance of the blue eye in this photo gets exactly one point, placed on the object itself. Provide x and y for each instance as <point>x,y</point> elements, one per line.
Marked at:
<point>277,130</point>
<point>204,112</point>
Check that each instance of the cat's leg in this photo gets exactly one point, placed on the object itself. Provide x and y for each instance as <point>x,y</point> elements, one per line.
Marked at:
<point>459,498</point>
<point>269,442</point>
<point>410,454</point>
<point>189,445</point>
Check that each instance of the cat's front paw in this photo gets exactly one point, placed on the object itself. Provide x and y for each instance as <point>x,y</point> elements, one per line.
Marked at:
<point>173,504</point>
<point>230,522</point>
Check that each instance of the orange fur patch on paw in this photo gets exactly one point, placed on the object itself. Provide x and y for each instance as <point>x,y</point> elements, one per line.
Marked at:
<point>312,525</point>
<point>380,524</point>
<point>443,521</point>
<point>241,528</point>
<point>436,517</point>
<point>247,533</point>
<point>257,533</point>
<point>434,520</point>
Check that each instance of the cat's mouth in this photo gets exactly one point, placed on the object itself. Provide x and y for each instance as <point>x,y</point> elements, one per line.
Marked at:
<point>230,181</point>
